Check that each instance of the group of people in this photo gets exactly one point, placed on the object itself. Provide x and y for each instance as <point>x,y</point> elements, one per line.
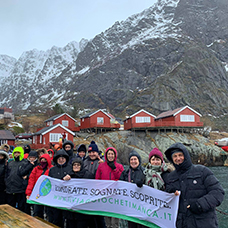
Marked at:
<point>200,191</point>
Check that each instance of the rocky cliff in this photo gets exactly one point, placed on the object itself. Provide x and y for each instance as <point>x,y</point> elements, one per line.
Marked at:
<point>202,150</point>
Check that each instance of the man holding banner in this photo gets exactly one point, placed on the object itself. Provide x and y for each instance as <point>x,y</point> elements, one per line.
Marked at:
<point>201,192</point>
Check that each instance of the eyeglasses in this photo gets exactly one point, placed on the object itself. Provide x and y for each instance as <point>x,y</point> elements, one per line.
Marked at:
<point>76,164</point>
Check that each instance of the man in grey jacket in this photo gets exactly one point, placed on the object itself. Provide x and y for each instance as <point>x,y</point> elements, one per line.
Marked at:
<point>201,192</point>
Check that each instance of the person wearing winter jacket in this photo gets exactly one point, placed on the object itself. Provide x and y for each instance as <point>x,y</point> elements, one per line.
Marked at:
<point>42,168</point>
<point>81,151</point>
<point>15,181</point>
<point>68,146</point>
<point>110,170</point>
<point>3,162</point>
<point>26,170</point>
<point>200,194</point>
<point>27,149</point>
<point>60,170</point>
<point>156,170</point>
<point>5,147</point>
<point>93,159</point>
<point>74,219</point>
<point>134,174</point>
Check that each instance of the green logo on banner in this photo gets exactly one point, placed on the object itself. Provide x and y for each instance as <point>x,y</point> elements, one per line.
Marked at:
<point>45,188</point>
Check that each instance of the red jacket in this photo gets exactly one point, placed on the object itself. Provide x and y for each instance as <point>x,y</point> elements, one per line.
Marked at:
<point>104,171</point>
<point>36,173</point>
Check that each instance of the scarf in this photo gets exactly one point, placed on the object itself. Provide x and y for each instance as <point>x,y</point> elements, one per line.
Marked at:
<point>153,176</point>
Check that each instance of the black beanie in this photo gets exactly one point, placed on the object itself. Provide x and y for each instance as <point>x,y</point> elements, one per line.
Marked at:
<point>33,153</point>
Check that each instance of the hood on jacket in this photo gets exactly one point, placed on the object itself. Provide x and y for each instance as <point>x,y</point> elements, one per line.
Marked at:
<point>47,157</point>
<point>52,152</point>
<point>82,147</point>
<point>27,149</point>
<point>19,149</point>
<point>187,159</point>
<point>68,142</point>
<point>134,153</point>
<point>5,154</point>
<point>60,153</point>
<point>5,145</point>
<point>113,149</point>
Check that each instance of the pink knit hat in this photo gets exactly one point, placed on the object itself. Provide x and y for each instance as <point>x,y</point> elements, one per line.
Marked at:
<point>157,152</point>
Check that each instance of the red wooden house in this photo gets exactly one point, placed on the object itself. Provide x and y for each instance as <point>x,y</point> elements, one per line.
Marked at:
<point>65,119</point>
<point>140,119</point>
<point>99,120</point>
<point>7,137</point>
<point>180,117</point>
<point>51,134</point>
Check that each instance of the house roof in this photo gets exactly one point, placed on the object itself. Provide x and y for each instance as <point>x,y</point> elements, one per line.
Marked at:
<point>58,116</point>
<point>175,112</point>
<point>5,134</point>
<point>142,110</point>
<point>45,130</point>
<point>93,113</point>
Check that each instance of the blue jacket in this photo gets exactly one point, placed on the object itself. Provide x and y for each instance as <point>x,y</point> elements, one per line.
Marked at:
<point>197,184</point>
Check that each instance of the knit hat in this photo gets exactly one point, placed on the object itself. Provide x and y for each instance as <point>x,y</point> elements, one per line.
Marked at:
<point>93,147</point>
<point>157,152</point>
<point>134,153</point>
<point>33,153</point>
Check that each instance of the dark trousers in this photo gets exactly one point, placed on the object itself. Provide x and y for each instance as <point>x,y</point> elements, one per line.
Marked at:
<point>100,221</point>
<point>77,223</point>
<point>55,216</point>
<point>38,211</point>
<point>3,199</point>
<point>17,200</point>
<point>135,225</point>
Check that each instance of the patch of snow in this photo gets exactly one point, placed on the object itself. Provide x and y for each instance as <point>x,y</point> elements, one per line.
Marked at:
<point>82,71</point>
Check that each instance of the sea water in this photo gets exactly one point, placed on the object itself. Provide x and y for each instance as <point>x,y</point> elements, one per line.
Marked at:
<point>221,174</point>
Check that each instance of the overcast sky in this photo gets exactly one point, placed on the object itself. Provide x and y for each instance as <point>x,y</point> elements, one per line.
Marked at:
<point>41,24</point>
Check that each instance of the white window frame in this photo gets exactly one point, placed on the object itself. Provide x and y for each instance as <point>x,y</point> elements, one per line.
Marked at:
<point>54,137</point>
<point>142,119</point>
<point>187,118</point>
<point>41,139</point>
<point>50,123</point>
<point>65,123</point>
<point>100,120</point>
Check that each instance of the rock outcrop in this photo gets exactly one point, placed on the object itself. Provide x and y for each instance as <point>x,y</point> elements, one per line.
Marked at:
<point>202,151</point>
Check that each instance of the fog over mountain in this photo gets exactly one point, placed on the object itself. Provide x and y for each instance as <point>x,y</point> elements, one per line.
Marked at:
<point>172,54</point>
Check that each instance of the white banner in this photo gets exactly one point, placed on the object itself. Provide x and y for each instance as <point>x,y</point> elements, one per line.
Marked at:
<point>119,199</point>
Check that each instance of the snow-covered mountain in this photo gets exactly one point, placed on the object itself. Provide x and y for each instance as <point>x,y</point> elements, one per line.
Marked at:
<point>172,54</point>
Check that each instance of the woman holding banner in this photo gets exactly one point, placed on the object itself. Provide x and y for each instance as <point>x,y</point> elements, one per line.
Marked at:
<point>110,170</point>
<point>156,170</point>
<point>74,219</point>
<point>135,174</point>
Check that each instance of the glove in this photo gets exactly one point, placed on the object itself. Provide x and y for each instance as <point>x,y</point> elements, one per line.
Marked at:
<point>139,183</point>
<point>112,165</point>
<point>195,207</point>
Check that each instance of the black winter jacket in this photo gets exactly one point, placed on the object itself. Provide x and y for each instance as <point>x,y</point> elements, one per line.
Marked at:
<point>134,175</point>
<point>13,177</point>
<point>83,173</point>
<point>197,184</point>
<point>60,171</point>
